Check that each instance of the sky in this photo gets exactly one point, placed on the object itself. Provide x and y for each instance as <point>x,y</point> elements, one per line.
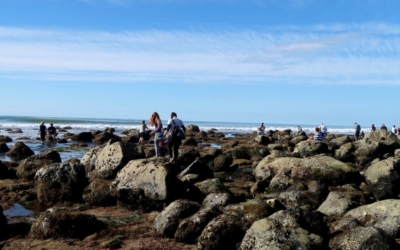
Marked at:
<point>271,61</point>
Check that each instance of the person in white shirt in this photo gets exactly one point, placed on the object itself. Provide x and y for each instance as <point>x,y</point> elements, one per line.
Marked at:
<point>323,129</point>
<point>142,130</point>
<point>174,141</point>
<point>394,130</point>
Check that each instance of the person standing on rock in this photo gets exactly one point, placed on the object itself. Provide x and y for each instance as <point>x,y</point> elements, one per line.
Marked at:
<point>394,130</point>
<point>142,130</point>
<point>158,134</point>
<point>323,129</point>
<point>42,131</point>
<point>357,131</point>
<point>383,127</point>
<point>261,129</point>
<point>398,130</point>
<point>174,141</point>
<point>373,128</point>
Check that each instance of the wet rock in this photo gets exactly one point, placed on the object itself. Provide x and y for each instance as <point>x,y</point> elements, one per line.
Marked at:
<point>84,136</point>
<point>60,182</point>
<point>98,193</point>
<point>28,167</point>
<point>20,150</point>
<point>166,223</point>
<point>363,238</point>
<point>310,148</point>
<point>4,138</point>
<point>4,147</point>
<point>58,223</point>
<point>114,157</point>
<point>146,185</point>
<point>189,229</point>
<point>217,199</point>
<point>223,232</point>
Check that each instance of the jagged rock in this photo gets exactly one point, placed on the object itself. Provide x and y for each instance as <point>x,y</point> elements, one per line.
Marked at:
<point>223,232</point>
<point>20,150</point>
<point>189,229</point>
<point>146,185</point>
<point>166,223</point>
<point>114,157</point>
<point>383,178</point>
<point>58,223</point>
<point>98,193</point>
<point>28,167</point>
<point>60,182</point>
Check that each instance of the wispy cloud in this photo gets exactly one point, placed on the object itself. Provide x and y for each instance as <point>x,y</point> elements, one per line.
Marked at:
<point>335,54</point>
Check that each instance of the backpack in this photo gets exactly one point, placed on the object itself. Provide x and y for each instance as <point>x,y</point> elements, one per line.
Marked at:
<point>177,132</point>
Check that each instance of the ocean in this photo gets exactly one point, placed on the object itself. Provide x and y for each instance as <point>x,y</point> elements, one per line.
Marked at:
<point>30,125</point>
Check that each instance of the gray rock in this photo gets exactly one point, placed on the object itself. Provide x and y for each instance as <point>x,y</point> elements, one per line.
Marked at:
<point>189,229</point>
<point>211,186</point>
<point>114,157</point>
<point>166,223</point>
<point>338,142</point>
<point>60,182</point>
<point>222,162</point>
<point>199,168</point>
<point>363,238</point>
<point>98,193</point>
<point>146,185</point>
<point>28,167</point>
<point>223,232</point>
<point>340,201</point>
<point>310,148</point>
<point>58,223</point>
<point>344,153</point>
<point>20,150</point>
<point>89,159</point>
<point>217,199</point>
<point>251,210</point>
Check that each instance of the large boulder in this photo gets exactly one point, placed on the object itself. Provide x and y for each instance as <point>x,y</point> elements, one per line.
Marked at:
<point>28,167</point>
<point>287,229</point>
<point>341,200</point>
<point>310,148</point>
<point>323,168</point>
<point>385,139</point>
<point>146,185</point>
<point>381,214</point>
<point>58,223</point>
<point>89,159</point>
<point>4,147</point>
<point>223,232</point>
<point>345,152</point>
<point>20,150</point>
<point>198,168</point>
<point>262,140</point>
<point>222,162</point>
<point>166,223</point>
<point>84,136</point>
<point>4,138</point>
<point>98,193</point>
<point>60,182</point>
<point>189,229</point>
<point>251,210</point>
<point>363,238</point>
<point>211,186</point>
<point>187,156</point>
<point>383,178</point>
<point>338,142</point>
<point>114,157</point>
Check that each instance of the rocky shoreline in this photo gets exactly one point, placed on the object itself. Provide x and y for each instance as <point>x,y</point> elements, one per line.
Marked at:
<point>272,191</point>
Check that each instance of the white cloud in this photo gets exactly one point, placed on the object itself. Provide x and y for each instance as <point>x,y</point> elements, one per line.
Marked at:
<point>337,54</point>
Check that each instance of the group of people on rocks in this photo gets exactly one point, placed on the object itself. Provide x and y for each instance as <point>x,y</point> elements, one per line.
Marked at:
<point>43,131</point>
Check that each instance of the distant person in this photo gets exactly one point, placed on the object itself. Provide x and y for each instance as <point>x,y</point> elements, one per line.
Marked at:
<point>384,127</point>
<point>42,131</point>
<point>142,131</point>
<point>261,129</point>
<point>323,129</point>
<point>52,132</point>
<point>394,130</point>
<point>173,141</point>
<point>398,130</point>
<point>158,134</point>
<point>357,131</point>
<point>373,128</point>
<point>299,128</point>
<point>318,135</point>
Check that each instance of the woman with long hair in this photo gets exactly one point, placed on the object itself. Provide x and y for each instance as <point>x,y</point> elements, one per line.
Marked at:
<point>156,122</point>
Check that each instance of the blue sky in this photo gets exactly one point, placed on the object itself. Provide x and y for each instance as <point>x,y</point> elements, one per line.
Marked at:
<point>276,61</point>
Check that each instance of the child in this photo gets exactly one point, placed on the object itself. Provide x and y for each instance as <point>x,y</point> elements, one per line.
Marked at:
<point>142,130</point>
